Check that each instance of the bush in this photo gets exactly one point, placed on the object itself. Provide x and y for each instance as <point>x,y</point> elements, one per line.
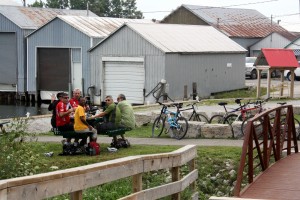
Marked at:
<point>18,159</point>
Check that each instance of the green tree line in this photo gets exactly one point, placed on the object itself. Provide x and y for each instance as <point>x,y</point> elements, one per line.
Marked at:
<point>102,8</point>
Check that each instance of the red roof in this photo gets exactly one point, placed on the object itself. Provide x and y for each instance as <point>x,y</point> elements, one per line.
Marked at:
<point>277,58</point>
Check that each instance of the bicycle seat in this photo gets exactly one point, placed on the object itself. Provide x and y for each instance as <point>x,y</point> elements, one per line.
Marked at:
<point>281,103</point>
<point>238,101</point>
<point>222,103</point>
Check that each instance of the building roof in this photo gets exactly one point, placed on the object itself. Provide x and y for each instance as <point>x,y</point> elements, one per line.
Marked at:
<point>237,22</point>
<point>277,58</point>
<point>32,17</point>
<point>171,38</point>
<point>98,26</point>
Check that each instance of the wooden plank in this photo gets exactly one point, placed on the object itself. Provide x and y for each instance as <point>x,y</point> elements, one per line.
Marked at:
<point>3,194</point>
<point>175,171</point>
<point>76,195</point>
<point>279,181</point>
<point>164,190</point>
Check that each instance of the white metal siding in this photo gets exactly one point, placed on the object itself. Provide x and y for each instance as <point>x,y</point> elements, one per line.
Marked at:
<point>124,77</point>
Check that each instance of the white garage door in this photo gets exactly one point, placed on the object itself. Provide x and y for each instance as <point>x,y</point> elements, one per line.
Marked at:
<point>124,77</point>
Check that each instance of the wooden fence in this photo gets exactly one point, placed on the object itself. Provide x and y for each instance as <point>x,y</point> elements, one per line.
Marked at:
<point>75,180</point>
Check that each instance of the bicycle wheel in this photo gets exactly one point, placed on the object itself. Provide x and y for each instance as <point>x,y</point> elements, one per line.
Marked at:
<point>199,117</point>
<point>283,122</point>
<point>297,127</point>
<point>244,125</point>
<point>258,126</point>
<point>229,120</point>
<point>181,128</point>
<point>216,119</point>
<point>158,126</point>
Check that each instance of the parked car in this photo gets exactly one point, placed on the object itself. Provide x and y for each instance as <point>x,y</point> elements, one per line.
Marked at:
<point>287,73</point>
<point>252,72</point>
<point>250,69</point>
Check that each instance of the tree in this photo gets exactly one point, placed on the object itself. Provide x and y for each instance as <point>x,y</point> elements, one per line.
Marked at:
<point>38,4</point>
<point>130,10</point>
<point>103,8</point>
<point>61,4</point>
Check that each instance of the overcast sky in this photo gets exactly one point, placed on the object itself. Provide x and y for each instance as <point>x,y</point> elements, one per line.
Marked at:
<point>280,9</point>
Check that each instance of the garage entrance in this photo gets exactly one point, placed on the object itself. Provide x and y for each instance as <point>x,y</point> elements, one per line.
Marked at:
<point>53,69</point>
<point>8,58</point>
<point>126,77</point>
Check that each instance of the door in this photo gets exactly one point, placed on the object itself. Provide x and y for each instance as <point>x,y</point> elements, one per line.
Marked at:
<point>126,77</point>
<point>53,66</point>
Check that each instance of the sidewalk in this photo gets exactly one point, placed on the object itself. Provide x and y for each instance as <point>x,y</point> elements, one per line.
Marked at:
<point>158,141</point>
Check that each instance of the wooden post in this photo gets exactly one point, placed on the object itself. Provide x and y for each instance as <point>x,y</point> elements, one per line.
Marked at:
<point>258,83</point>
<point>292,83</point>
<point>194,90</point>
<point>76,195</point>
<point>192,166</point>
<point>185,92</point>
<point>269,83</point>
<point>282,82</point>
<point>137,183</point>
<point>175,177</point>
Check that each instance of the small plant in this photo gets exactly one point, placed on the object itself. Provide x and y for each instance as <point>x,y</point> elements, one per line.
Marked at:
<point>18,159</point>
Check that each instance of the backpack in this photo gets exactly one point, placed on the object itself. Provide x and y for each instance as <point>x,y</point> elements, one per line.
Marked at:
<point>93,148</point>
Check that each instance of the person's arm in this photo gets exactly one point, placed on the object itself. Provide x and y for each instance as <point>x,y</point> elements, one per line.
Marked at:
<point>62,114</point>
<point>102,114</point>
<point>85,122</point>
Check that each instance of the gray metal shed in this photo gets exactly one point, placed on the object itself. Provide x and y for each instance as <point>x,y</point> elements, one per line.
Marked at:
<point>58,58</point>
<point>16,23</point>
<point>136,57</point>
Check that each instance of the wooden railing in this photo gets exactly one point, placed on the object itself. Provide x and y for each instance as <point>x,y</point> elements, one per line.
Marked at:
<point>267,136</point>
<point>75,180</point>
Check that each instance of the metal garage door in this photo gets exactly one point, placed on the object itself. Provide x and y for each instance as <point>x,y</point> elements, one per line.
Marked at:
<point>54,66</point>
<point>8,58</point>
<point>125,77</point>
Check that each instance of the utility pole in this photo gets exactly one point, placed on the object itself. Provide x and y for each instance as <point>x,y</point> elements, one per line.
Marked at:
<point>271,28</point>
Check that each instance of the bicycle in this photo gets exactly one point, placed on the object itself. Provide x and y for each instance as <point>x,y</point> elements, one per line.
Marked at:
<point>195,116</point>
<point>229,117</point>
<point>177,123</point>
<point>258,106</point>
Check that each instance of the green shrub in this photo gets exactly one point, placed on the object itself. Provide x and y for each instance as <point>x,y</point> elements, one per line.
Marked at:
<point>18,159</point>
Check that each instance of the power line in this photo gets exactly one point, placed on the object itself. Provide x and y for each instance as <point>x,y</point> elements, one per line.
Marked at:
<point>210,7</point>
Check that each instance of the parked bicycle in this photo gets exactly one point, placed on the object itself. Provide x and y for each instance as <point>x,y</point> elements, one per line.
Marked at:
<point>196,116</point>
<point>252,112</point>
<point>177,124</point>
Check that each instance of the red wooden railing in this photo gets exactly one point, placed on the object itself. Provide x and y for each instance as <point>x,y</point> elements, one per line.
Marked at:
<point>267,136</point>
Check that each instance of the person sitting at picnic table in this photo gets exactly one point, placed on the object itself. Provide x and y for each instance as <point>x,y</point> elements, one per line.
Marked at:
<point>52,107</point>
<point>63,116</point>
<point>80,123</point>
<point>127,115</point>
<point>74,101</point>
<point>112,115</point>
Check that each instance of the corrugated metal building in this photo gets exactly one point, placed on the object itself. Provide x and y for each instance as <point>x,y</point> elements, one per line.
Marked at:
<point>135,58</point>
<point>295,45</point>
<point>16,23</point>
<point>58,58</point>
<point>244,26</point>
<point>273,40</point>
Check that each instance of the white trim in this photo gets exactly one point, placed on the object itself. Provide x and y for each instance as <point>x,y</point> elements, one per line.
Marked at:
<point>123,59</point>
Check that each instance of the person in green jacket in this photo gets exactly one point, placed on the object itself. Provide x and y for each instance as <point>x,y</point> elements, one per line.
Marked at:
<point>112,115</point>
<point>126,110</point>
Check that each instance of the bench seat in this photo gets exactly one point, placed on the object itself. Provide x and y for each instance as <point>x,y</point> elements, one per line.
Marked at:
<point>73,134</point>
<point>116,132</point>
